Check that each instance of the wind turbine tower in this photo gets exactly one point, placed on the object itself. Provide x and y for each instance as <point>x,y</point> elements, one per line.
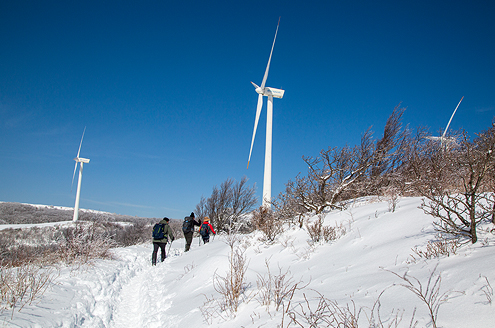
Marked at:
<point>270,93</point>
<point>81,161</point>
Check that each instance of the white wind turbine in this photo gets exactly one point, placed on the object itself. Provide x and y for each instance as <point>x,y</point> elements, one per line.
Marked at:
<point>270,93</point>
<point>81,161</point>
<point>444,140</point>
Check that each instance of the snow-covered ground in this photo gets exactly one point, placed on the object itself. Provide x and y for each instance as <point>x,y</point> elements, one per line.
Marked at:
<point>355,270</point>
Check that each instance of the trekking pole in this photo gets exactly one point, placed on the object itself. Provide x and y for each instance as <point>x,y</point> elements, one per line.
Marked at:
<point>170,246</point>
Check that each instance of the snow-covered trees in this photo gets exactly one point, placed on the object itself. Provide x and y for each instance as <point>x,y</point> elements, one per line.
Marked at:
<point>228,204</point>
<point>456,178</point>
<point>457,182</point>
<point>342,173</point>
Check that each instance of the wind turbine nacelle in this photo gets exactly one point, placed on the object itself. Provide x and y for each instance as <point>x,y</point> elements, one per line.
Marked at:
<point>276,93</point>
<point>81,160</point>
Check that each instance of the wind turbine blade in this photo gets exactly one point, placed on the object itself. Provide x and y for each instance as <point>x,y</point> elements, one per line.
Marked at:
<point>270,58</point>
<point>445,132</point>
<point>258,112</point>
<point>255,85</point>
<point>77,157</point>
<point>81,143</point>
<point>73,175</point>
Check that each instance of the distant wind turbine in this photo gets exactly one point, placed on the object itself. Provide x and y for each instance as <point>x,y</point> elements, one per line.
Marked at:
<point>270,93</point>
<point>81,161</point>
<point>443,139</point>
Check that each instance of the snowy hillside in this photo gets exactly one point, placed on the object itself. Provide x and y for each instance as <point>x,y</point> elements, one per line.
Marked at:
<point>354,272</point>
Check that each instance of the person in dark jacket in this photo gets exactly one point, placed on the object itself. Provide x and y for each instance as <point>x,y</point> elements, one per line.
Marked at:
<point>206,228</point>
<point>161,243</point>
<point>188,229</point>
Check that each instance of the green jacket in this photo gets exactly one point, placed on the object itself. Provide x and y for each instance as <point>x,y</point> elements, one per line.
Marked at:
<point>168,232</point>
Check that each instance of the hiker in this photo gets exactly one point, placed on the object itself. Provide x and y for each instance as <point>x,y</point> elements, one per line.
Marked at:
<point>161,233</point>
<point>188,229</point>
<point>205,230</point>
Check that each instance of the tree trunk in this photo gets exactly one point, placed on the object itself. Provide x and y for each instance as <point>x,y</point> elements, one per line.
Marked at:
<point>472,218</point>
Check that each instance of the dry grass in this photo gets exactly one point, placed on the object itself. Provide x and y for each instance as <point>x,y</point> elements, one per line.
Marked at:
<point>440,247</point>
<point>23,285</point>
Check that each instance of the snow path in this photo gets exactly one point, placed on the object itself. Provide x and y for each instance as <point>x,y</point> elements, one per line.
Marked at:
<point>139,296</point>
<point>144,299</point>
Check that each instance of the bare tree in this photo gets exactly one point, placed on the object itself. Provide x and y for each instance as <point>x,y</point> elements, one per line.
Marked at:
<point>264,220</point>
<point>228,204</point>
<point>286,208</point>
<point>389,156</point>
<point>456,182</point>
<point>330,174</point>
<point>342,173</point>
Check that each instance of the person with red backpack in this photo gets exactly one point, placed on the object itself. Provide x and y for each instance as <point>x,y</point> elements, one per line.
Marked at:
<point>206,229</point>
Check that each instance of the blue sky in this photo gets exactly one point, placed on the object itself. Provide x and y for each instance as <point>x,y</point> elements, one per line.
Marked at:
<point>163,89</point>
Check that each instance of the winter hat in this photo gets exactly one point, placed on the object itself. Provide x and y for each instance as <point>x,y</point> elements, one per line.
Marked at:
<point>192,214</point>
<point>166,219</point>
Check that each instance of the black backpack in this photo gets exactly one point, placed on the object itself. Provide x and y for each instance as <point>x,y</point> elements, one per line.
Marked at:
<point>204,230</point>
<point>159,231</point>
<point>187,225</point>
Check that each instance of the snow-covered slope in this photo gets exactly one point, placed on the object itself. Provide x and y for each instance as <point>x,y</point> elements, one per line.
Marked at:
<point>356,270</point>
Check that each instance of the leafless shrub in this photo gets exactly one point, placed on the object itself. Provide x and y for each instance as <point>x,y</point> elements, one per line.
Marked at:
<point>306,252</point>
<point>287,242</point>
<point>333,233</point>
<point>457,182</point>
<point>22,285</point>
<point>83,243</point>
<point>211,309</point>
<point>264,220</point>
<point>132,234</point>
<point>392,195</point>
<point>50,245</point>
<point>437,248</point>
<point>429,295</point>
<point>326,313</point>
<point>318,232</point>
<point>232,239</point>
<point>275,288</point>
<point>315,229</point>
<point>232,286</point>
<point>287,209</point>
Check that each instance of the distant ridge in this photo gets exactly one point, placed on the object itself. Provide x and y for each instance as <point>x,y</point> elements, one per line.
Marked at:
<point>21,213</point>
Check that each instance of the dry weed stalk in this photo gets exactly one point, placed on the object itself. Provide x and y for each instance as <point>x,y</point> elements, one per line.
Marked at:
<point>232,286</point>
<point>275,288</point>
<point>430,294</point>
<point>488,291</point>
<point>327,313</point>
